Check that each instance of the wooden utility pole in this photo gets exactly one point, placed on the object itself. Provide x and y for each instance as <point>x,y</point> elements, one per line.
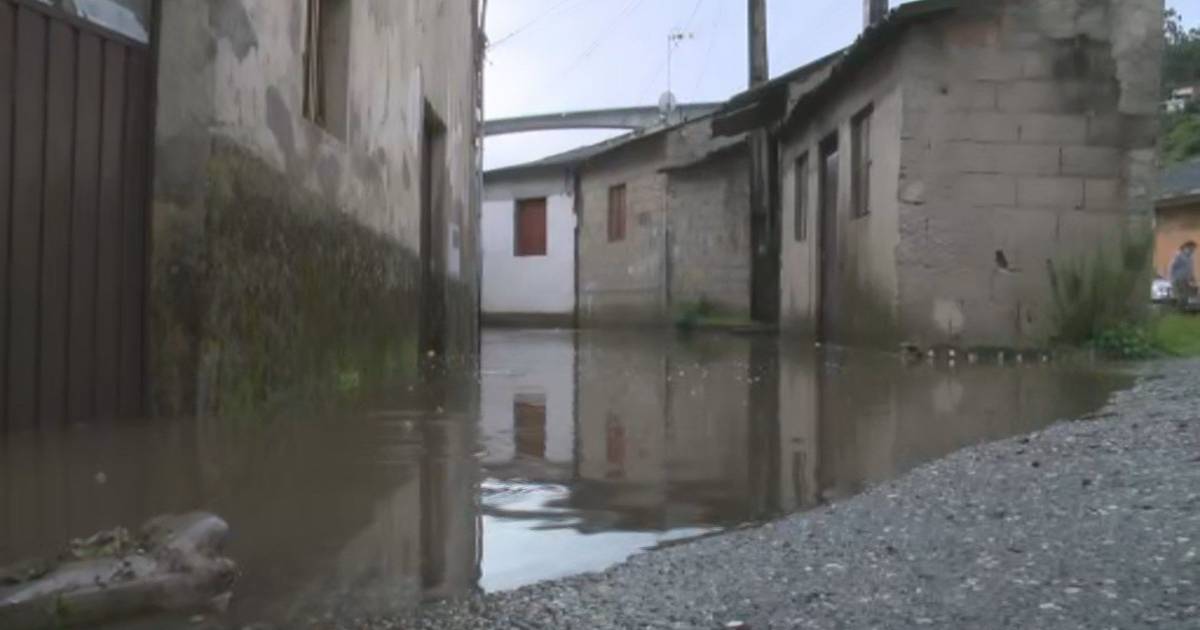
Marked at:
<point>764,224</point>
<point>873,11</point>
<point>759,68</point>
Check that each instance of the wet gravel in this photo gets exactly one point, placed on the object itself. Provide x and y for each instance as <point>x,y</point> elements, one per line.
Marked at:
<point>1093,524</point>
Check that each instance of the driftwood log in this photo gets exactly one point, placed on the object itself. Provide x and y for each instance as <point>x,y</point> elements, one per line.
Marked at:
<point>173,565</point>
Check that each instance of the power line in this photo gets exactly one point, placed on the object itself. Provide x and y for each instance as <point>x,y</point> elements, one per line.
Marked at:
<point>526,26</point>
<point>692,17</point>
<point>631,7</point>
<point>712,43</point>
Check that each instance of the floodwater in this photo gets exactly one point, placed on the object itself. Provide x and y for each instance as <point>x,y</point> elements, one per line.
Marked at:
<point>567,452</point>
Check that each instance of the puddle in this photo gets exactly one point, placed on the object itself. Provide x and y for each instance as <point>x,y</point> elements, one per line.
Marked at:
<point>568,452</point>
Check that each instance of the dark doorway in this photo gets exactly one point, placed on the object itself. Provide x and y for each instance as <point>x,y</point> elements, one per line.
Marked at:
<point>433,201</point>
<point>75,133</point>
<point>828,244</point>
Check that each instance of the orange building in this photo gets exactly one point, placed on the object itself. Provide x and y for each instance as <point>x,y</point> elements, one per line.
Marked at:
<point>1177,213</point>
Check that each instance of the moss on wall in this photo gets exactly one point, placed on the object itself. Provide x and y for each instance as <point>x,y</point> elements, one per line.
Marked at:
<point>274,297</point>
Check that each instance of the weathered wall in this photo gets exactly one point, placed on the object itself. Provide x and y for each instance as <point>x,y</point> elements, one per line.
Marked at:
<point>1173,227</point>
<point>538,286</point>
<point>864,264</point>
<point>685,192</point>
<point>624,281</point>
<point>1029,139</point>
<point>261,217</point>
<point>709,218</point>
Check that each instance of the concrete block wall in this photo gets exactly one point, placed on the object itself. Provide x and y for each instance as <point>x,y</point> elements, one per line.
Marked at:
<point>709,210</point>
<point>864,287</point>
<point>231,133</point>
<point>1028,140</point>
<point>624,282</point>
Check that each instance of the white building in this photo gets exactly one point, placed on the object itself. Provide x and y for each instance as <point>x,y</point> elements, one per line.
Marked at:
<point>528,235</point>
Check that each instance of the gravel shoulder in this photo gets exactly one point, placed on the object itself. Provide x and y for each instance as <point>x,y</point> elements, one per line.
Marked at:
<point>1093,524</point>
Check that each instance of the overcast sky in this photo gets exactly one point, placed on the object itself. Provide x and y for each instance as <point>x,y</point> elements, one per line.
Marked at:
<point>565,55</point>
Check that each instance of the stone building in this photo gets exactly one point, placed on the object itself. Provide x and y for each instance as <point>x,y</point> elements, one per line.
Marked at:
<point>953,157</point>
<point>663,221</point>
<point>316,195</point>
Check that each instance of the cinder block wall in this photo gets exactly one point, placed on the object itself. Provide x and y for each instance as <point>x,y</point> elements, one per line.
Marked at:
<point>1029,140</point>
<point>710,233</point>
<point>624,282</point>
<point>262,286</point>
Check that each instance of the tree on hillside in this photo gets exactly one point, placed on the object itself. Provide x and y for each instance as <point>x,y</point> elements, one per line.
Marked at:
<point>1181,67</point>
<point>1182,63</point>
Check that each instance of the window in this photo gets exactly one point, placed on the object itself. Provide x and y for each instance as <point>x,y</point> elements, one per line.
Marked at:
<point>327,64</point>
<point>861,175</point>
<point>529,228</point>
<point>529,424</point>
<point>616,213</point>
<point>801,201</point>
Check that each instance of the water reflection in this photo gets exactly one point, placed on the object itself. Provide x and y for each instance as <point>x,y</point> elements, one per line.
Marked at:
<point>567,452</point>
<point>600,444</point>
<point>342,514</point>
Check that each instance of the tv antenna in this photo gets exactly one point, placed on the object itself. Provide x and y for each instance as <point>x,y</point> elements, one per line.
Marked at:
<point>674,38</point>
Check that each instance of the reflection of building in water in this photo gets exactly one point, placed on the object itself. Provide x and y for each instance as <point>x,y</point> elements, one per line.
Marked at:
<point>339,515</point>
<point>527,395</point>
<point>879,418</point>
<point>664,429</point>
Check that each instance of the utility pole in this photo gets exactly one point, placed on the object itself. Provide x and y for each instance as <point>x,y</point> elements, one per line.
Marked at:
<point>764,221</point>
<point>759,68</point>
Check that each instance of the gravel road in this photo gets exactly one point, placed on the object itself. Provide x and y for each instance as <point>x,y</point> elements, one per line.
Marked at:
<point>1089,524</point>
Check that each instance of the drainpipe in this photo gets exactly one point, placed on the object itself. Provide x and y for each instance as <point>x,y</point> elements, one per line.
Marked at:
<point>873,12</point>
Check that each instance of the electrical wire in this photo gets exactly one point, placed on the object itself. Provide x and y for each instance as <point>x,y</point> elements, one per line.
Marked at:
<point>630,8</point>
<point>531,23</point>
<point>712,43</point>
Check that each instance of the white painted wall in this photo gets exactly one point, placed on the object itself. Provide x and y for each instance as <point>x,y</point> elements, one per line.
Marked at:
<point>528,284</point>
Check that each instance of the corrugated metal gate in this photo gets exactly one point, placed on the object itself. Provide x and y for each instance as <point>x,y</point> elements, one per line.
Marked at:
<point>75,124</point>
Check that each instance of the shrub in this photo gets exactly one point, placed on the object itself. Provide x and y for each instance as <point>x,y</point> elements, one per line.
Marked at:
<point>1103,294</point>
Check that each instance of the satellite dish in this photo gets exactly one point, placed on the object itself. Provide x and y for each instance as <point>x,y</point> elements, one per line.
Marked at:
<point>667,104</point>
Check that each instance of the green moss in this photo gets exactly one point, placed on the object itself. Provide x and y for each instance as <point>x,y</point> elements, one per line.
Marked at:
<point>280,299</point>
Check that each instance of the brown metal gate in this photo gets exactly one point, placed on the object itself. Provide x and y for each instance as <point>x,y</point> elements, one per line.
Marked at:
<point>75,120</point>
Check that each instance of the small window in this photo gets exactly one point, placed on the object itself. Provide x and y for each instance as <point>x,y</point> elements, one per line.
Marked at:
<point>327,64</point>
<point>861,147</point>
<point>529,424</point>
<point>529,228</point>
<point>801,201</point>
<point>616,213</point>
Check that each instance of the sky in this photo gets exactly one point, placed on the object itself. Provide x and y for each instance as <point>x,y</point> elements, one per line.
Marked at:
<point>568,55</point>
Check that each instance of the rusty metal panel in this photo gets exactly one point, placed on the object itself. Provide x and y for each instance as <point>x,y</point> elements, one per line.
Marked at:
<point>136,165</point>
<point>75,132</point>
<point>111,222</point>
<point>25,222</point>
<point>56,222</point>
<point>84,209</point>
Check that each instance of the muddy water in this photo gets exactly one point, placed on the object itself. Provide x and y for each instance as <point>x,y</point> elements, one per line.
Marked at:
<point>567,452</point>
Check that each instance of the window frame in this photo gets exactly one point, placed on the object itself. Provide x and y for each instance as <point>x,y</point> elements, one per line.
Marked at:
<point>801,190</point>
<point>314,64</point>
<point>618,213</point>
<point>862,162</point>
